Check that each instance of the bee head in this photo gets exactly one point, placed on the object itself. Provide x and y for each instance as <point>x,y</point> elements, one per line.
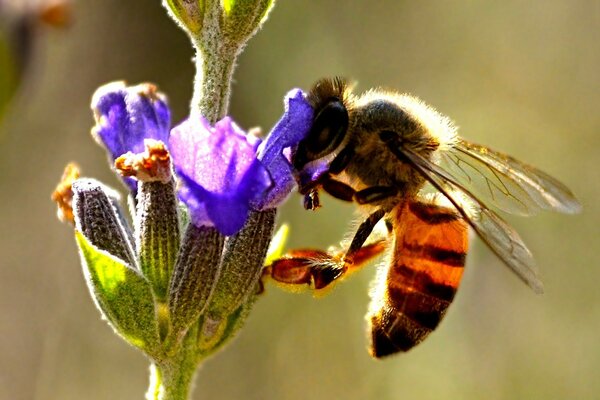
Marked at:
<point>330,100</point>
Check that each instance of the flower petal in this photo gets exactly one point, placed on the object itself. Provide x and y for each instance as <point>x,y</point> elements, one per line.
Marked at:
<point>125,116</point>
<point>291,129</point>
<point>221,176</point>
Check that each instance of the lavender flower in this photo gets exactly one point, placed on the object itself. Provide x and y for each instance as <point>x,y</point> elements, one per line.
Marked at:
<point>125,116</point>
<point>287,133</point>
<point>225,173</point>
<point>224,177</point>
<point>179,291</point>
<point>220,173</point>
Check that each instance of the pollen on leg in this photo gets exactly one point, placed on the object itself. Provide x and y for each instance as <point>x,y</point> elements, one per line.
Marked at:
<point>63,194</point>
<point>154,164</point>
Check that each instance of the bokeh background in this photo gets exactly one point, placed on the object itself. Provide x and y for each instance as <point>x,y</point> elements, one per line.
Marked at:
<point>521,77</point>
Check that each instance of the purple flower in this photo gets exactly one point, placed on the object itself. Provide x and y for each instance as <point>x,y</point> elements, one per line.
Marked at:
<point>225,173</point>
<point>125,116</point>
<point>291,129</point>
<point>220,172</point>
<point>224,177</point>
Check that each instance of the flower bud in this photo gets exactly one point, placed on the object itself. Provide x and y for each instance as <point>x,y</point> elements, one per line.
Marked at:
<point>188,13</point>
<point>234,21</point>
<point>97,219</point>
<point>242,19</point>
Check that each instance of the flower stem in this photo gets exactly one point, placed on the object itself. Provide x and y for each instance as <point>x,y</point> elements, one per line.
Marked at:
<point>171,378</point>
<point>215,61</point>
<point>169,382</point>
<point>212,86</point>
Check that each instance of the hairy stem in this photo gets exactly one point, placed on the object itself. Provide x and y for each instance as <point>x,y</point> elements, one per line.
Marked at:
<point>212,86</point>
<point>215,61</point>
<point>171,378</point>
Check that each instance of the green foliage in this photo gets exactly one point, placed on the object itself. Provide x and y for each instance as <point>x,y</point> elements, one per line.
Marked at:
<point>122,294</point>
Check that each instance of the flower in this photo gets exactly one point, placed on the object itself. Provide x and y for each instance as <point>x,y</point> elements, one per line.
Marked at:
<point>227,173</point>
<point>287,133</point>
<point>125,116</point>
<point>220,172</point>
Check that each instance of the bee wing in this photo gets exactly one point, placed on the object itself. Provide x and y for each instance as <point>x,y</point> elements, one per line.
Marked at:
<point>507,183</point>
<point>497,234</point>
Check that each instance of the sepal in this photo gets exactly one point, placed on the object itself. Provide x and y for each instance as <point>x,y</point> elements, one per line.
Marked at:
<point>213,335</point>
<point>157,233</point>
<point>196,271</point>
<point>242,263</point>
<point>123,296</point>
<point>97,219</point>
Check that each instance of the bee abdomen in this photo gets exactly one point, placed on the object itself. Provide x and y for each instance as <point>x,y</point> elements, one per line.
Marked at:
<point>422,278</point>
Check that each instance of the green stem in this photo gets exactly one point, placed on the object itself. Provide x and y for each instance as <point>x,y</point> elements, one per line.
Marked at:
<point>215,61</point>
<point>171,378</point>
<point>212,86</point>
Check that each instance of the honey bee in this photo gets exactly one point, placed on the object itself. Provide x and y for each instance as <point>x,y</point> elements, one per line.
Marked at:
<point>385,151</point>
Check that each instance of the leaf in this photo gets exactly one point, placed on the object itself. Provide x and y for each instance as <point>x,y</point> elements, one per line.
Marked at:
<point>123,296</point>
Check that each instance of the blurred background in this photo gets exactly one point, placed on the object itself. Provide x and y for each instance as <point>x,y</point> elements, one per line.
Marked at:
<point>521,77</point>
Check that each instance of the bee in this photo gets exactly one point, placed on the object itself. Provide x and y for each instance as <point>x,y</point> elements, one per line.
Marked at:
<point>402,161</point>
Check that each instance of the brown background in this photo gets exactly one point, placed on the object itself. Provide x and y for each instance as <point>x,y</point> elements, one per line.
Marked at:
<point>521,77</point>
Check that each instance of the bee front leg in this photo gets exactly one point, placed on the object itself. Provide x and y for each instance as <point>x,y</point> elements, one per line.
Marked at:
<point>375,194</point>
<point>341,161</point>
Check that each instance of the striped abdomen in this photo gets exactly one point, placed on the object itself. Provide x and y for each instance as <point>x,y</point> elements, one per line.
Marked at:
<point>427,263</point>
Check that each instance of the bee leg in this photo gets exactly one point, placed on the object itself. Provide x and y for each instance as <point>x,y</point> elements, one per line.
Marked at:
<point>341,161</point>
<point>375,194</point>
<point>311,200</point>
<point>335,188</point>
<point>315,268</point>
<point>338,189</point>
<point>361,235</point>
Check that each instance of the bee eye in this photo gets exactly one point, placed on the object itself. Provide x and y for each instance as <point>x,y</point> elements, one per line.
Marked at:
<point>327,132</point>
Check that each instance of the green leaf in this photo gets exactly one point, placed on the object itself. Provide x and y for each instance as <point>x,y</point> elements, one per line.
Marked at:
<point>267,7</point>
<point>122,294</point>
<point>8,76</point>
